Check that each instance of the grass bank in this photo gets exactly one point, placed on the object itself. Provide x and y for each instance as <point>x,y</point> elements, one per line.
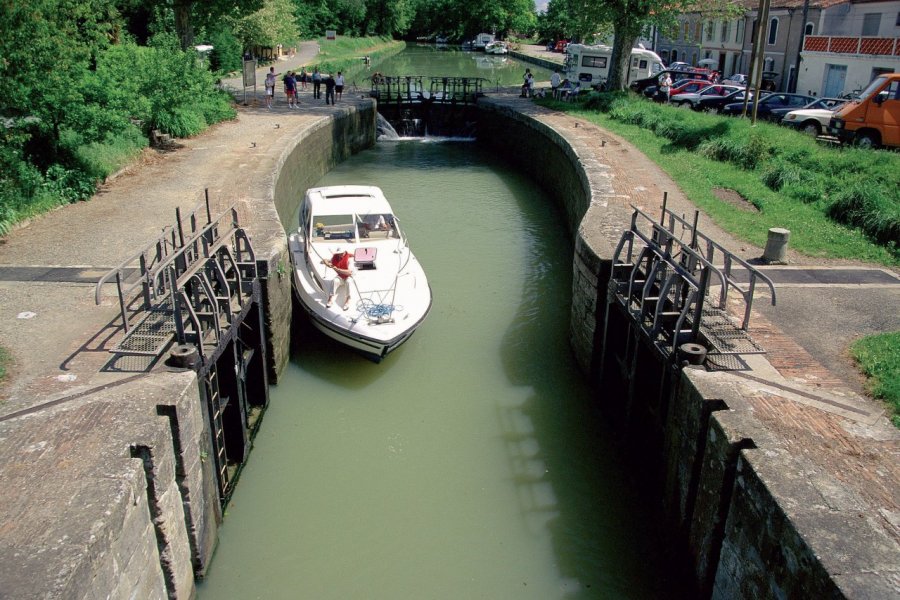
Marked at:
<point>837,202</point>
<point>346,55</point>
<point>878,357</point>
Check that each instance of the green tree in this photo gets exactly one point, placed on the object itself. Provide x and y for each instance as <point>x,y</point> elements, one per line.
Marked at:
<point>188,16</point>
<point>272,24</point>
<point>314,17</point>
<point>47,46</point>
<point>629,18</point>
<point>387,17</point>
<point>576,20</point>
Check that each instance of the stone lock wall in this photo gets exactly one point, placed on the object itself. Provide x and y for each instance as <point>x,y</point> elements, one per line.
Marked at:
<point>749,516</point>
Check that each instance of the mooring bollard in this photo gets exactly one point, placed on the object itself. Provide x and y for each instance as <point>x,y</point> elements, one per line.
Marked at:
<point>184,356</point>
<point>690,354</point>
<point>776,245</point>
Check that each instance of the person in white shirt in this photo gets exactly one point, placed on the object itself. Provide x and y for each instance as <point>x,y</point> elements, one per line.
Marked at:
<point>555,80</point>
<point>270,86</point>
<point>339,85</point>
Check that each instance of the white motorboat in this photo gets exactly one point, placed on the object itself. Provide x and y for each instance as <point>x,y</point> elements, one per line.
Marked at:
<point>496,47</point>
<point>389,295</point>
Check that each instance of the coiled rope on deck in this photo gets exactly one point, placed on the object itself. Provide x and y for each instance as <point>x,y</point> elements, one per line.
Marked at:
<point>375,310</point>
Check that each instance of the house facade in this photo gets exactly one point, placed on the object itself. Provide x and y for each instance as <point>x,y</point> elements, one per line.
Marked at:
<point>840,45</point>
<point>695,38</point>
<point>852,43</point>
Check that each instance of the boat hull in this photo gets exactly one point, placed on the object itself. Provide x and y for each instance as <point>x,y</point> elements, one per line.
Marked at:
<point>374,350</point>
<point>373,337</point>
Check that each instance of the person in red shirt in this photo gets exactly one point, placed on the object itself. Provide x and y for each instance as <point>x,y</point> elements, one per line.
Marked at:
<point>340,262</point>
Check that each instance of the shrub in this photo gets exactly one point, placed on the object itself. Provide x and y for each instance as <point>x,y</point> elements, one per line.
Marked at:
<point>180,122</point>
<point>745,152</point>
<point>102,159</point>
<point>869,207</point>
<point>604,101</point>
<point>779,172</point>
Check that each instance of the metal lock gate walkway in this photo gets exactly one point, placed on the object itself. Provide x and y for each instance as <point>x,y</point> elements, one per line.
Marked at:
<point>674,283</point>
<point>195,289</point>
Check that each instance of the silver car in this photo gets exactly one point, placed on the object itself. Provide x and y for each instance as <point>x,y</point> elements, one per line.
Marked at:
<point>692,100</point>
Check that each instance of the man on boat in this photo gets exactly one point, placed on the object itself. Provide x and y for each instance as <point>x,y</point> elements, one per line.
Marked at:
<point>340,262</point>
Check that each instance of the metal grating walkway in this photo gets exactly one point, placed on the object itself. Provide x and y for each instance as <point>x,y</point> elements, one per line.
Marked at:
<point>724,335</point>
<point>151,335</point>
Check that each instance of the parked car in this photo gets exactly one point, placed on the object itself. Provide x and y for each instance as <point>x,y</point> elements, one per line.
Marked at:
<point>681,86</point>
<point>736,79</point>
<point>767,108</point>
<point>561,46</point>
<point>692,99</point>
<point>639,85</point>
<point>814,117</point>
<point>872,119</point>
<point>715,103</point>
<point>679,66</point>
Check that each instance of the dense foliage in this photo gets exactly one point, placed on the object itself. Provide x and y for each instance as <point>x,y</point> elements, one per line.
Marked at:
<point>83,82</point>
<point>78,97</point>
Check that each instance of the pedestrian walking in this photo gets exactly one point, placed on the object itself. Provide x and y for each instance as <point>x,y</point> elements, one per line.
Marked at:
<point>317,83</point>
<point>339,85</point>
<point>329,89</point>
<point>270,86</point>
<point>304,76</point>
<point>290,89</point>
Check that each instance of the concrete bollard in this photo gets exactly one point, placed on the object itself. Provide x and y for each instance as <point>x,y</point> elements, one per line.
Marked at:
<point>776,245</point>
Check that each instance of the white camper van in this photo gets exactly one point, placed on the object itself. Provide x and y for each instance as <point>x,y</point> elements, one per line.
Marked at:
<point>590,65</point>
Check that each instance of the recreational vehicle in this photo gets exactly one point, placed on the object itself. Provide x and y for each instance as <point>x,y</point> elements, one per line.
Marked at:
<point>481,40</point>
<point>590,65</point>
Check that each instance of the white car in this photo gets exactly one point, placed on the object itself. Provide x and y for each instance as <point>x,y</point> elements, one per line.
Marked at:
<point>692,100</point>
<point>814,117</point>
<point>736,79</point>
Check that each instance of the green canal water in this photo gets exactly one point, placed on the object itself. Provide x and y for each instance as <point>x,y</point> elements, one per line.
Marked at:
<point>432,61</point>
<point>468,464</point>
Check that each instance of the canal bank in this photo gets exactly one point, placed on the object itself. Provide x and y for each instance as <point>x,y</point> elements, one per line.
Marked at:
<point>735,477</point>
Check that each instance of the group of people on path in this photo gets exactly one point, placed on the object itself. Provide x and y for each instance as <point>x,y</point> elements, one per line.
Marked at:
<point>334,86</point>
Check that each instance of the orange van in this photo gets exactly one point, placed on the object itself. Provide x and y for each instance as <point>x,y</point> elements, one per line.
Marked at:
<point>873,119</point>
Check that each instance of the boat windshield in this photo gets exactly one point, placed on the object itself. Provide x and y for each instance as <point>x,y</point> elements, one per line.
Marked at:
<point>351,228</point>
<point>334,227</point>
<point>377,225</point>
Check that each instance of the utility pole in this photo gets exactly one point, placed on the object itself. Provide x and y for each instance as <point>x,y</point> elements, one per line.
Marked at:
<point>760,57</point>
<point>793,84</point>
<point>751,69</point>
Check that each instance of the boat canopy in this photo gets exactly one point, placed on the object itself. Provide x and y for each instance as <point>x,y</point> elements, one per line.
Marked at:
<point>348,214</point>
